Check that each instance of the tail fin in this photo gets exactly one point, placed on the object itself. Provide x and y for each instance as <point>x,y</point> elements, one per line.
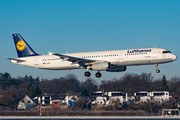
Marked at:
<point>22,47</point>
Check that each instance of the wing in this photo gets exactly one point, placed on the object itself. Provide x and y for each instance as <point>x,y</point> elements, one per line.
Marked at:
<point>74,60</point>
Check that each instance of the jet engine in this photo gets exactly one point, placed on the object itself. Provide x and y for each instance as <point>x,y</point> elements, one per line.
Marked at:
<point>101,66</point>
<point>117,69</point>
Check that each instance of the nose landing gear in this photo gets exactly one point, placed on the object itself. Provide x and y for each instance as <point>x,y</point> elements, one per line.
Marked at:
<point>157,70</point>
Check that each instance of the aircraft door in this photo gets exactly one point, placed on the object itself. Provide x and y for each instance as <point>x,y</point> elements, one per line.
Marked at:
<point>36,62</point>
<point>120,57</point>
<point>154,53</point>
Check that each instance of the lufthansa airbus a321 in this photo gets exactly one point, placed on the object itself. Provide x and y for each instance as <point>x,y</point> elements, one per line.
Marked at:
<point>110,61</point>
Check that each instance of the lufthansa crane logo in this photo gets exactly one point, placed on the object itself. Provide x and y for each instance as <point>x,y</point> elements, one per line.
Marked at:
<point>20,45</point>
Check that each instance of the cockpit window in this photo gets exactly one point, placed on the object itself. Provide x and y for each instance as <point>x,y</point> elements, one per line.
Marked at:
<point>164,52</point>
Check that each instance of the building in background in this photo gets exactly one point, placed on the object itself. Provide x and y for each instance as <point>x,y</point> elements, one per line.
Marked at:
<point>71,100</point>
<point>56,104</point>
<point>112,98</point>
<point>26,103</point>
<point>60,101</point>
<point>155,96</point>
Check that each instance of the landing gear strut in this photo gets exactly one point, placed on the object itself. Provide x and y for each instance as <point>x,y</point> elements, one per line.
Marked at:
<point>87,73</point>
<point>157,70</point>
<point>98,74</point>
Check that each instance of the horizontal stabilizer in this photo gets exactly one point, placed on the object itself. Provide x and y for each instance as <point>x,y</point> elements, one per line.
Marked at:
<point>18,60</point>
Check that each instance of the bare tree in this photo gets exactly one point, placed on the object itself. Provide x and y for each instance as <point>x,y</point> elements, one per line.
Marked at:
<point>10,96</point>
<point>90,85</point>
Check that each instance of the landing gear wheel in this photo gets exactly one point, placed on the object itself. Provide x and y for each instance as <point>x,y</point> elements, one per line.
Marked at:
<point>98,75</point>
<point>158,71</point>
<point>87,74</point>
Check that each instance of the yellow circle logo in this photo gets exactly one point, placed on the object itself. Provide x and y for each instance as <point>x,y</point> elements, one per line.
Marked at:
<point>20,45</point>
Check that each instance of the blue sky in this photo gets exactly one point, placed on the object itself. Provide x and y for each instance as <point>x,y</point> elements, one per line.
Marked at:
<point>94,25</point>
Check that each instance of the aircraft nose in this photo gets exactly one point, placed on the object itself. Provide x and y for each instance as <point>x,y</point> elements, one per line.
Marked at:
<point>174,57</point>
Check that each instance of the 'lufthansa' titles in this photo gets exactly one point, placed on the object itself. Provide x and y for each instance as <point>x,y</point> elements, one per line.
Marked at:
<point>138,51</point>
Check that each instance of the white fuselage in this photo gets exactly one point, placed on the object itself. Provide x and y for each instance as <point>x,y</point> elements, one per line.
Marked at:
<point>130,57</point>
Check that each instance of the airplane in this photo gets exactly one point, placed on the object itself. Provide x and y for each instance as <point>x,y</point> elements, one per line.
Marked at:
<point>110,61</point>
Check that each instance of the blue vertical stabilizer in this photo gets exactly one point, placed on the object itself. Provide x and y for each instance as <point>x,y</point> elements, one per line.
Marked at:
<point>22,47</point>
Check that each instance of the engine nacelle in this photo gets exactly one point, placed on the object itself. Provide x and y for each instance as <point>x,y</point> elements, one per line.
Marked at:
<point>101,66</point>
<point>117,69</point>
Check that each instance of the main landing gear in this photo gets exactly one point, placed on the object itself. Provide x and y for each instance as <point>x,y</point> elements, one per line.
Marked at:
<point>157,70</point>
<point>87,74</point>
<point>98,74</point>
